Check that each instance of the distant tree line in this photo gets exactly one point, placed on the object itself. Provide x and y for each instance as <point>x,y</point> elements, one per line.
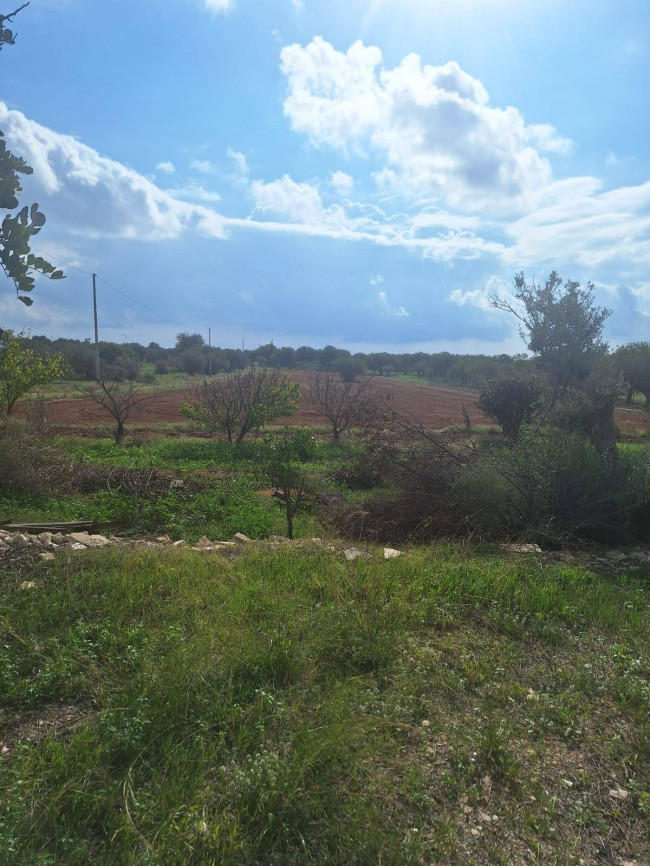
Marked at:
<point>191,355</point>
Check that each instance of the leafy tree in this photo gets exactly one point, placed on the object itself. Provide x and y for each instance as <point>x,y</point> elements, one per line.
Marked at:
<point>242,401</point>
<point>511,401</point>
<point>193,361</point>
<point>349,368</point>
<point>343,404</point>
<point>634,363</point>
<point>23,368</point>
<point>16,232</point>
<point>285,456</point>
<point>562,327</point>
<point>186,342</point>
<point>119,399</point>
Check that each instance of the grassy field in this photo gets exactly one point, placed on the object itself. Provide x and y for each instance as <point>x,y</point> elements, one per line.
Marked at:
<point>290,707</point>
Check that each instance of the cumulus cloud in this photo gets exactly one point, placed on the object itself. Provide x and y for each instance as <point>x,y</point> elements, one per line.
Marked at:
<point>92,195</point>
<point>341,182</point>
<point>433,126</point>
<point>298,202</point>
<point>301,205</point>
<point>167,167</point>
<point>479,298</point>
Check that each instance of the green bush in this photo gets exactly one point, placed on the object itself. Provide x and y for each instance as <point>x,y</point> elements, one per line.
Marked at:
<point>556,486</point>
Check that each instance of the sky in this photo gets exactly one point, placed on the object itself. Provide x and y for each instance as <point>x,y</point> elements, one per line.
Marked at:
<point>363,173</point>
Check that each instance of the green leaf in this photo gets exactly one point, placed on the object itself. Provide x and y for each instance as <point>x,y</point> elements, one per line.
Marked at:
<point>38,220</point>
<point>26,301</point>
<point>57,275</point>
<point>22,216</point>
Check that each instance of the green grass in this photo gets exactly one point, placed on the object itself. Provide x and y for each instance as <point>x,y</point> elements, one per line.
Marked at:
<point>291,707</point>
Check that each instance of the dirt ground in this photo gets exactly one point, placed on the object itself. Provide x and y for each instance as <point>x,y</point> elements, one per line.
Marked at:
<point>431,406</point>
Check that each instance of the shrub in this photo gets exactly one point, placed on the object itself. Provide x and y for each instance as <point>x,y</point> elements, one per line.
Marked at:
<point>511,402</point>
<point>556,487</point>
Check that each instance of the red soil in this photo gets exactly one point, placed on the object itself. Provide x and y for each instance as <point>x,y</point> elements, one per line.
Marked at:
<point>431,406</point>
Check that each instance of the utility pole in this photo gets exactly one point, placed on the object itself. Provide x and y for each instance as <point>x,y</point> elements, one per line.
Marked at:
<point>210,350</point>
<point>96,330</point>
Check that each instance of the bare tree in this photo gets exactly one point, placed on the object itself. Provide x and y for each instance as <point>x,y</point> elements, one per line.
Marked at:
<point>343,404</point>
<point>119,399</point>
<point>242,402</point>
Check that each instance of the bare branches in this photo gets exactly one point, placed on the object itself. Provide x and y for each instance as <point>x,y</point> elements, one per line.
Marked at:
<point>242,402</point>
<point>11,15</point>
<point>344,404</point>
<point>118,399</point>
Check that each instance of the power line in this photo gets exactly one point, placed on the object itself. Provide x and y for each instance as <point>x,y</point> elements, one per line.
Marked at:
<point>133,300</point>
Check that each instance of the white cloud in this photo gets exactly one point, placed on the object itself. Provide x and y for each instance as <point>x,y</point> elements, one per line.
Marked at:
<point>195,192</point>
<point>298,202</point>
<point>575,222</point>
<point>389,310</point>
<point>343,183</point>
<point>432,125</point>
<point>89,194</point>
<point>203,165</point>
<point>479,297</point>
<point>217,5</point>
<point>239,159</point>
<point>167,167</point>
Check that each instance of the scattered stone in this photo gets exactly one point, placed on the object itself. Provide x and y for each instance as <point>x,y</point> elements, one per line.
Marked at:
<point>47,557</point>
<point>352,553</point>
<point>58,538</point>
<point>567,783</point>
<point>619,794</point>
<point>391,553</point>
<point>240,538</point>
<point>4,750</point>
<point>615,555</point>
<point>204,541</point>
<point>164,539</point>
<point>277,538</point>
<point>28,584</point>
<point>179,543</point>
<point>521,548</point>
<point>45,537</point>
<point>176,484</point>
<point>316,540</point>
<point>77,546</point>
<point>87,540</point>
<point>425,723</point>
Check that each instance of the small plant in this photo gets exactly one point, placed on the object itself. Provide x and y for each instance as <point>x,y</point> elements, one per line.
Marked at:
<point>283,456</point>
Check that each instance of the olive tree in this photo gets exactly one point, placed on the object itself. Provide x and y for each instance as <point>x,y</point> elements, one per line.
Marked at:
<point>634,362</point>
<point>562,327</point>
<point>511,401</point>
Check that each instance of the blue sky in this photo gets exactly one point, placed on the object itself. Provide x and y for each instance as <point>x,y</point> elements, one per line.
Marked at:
<point>356,172</point>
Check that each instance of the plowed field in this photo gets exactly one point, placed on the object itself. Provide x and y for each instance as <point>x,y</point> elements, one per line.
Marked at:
<point>431,406</point>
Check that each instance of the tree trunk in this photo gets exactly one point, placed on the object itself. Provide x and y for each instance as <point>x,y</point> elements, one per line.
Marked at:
<point>603,430</point>
<point>119,433</point>
<point>289,518</point>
